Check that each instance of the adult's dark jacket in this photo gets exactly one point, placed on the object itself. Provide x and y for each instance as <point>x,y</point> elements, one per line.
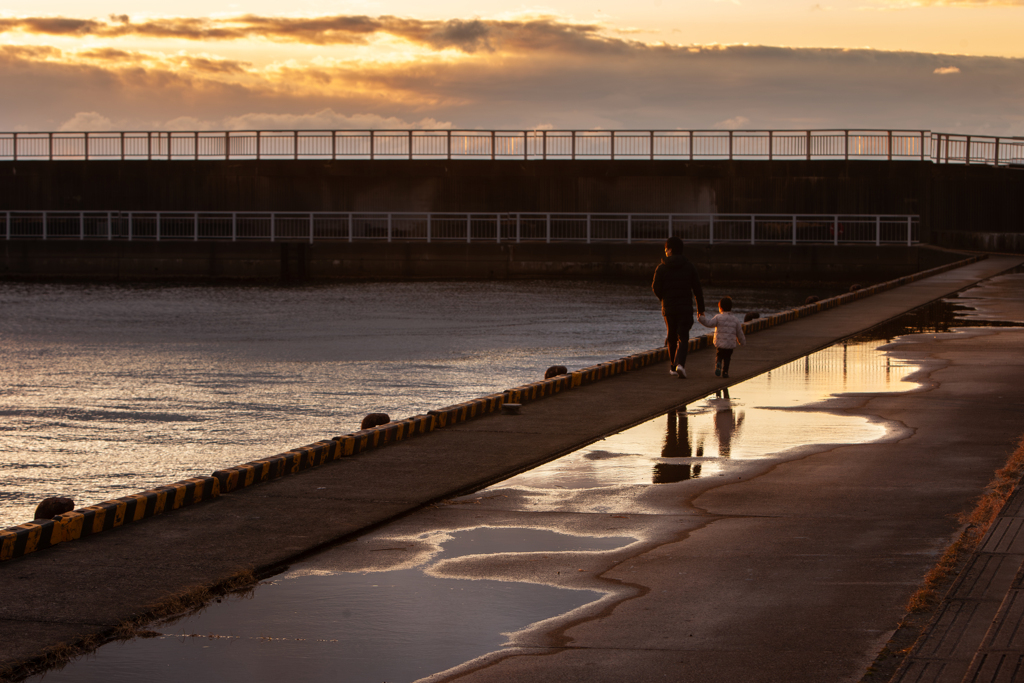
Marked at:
<point>676,284</point>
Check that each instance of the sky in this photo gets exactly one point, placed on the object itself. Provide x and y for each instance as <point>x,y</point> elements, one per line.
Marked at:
<point>953,66</point>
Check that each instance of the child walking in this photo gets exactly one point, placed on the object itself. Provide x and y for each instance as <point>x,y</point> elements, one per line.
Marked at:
<point>728,335</point>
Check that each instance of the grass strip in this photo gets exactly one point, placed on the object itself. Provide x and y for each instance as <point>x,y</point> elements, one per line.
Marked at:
<point>922,604</point>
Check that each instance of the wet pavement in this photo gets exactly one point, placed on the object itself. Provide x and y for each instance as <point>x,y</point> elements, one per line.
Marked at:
<point>788,555</point>
<point>417,598</point>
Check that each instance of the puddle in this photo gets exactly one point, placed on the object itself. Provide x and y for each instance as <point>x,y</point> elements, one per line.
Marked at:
<point>314,623</point>
<point>760,418</point>
<point>945,314</point>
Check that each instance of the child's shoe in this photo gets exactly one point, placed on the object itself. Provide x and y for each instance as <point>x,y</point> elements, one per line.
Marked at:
<point>725,375</point>
<point>718,369</point>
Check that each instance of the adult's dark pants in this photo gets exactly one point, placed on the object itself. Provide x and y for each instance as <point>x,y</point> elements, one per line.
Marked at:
<point>678,324</point>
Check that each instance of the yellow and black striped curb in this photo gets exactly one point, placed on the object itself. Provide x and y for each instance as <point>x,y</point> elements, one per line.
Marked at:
<point>36,535</point>
<point>478,407</point>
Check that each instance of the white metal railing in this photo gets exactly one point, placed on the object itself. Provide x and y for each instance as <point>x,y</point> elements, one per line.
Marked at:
<point>889,145</point>
<point>465,227</point>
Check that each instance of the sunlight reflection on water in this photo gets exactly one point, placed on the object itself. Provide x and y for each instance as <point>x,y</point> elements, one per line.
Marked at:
<point>758,418</point>
<point>110,390</point>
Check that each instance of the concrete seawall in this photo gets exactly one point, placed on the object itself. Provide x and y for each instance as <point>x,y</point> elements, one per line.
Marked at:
<point>326,261</point>
<point>40,534</point>
<point>950,198</point>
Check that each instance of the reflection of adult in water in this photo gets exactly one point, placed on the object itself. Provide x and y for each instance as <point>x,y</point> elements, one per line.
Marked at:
<point>726,425</point>
<point>677,438</point>
<point>677,445</point>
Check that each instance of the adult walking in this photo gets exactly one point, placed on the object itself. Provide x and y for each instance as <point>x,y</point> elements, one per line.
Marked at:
<point>677,286</point>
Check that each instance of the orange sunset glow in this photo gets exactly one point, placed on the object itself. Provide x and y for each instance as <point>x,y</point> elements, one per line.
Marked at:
<point>956,66</point>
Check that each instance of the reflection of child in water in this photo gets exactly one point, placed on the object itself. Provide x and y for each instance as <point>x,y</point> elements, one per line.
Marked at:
<point>726,423</point>
<point>726,426</point>
<point>728,335</point>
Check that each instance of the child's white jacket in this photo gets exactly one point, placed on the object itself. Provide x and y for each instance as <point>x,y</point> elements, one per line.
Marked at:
<point>728,329</point>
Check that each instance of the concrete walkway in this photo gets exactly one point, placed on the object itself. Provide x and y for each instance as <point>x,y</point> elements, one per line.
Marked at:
<point>796,575</point>
<point>977,634</point>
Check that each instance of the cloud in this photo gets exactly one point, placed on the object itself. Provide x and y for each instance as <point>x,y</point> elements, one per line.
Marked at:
<point>468,36</point>
<point>734,123</point>
<point>87,121</point>
<point>942,70</point>
<point>518,75</point>
<point>58,26</point>
<point>327,119</point>
<point>227,67</point>
<point>110,54</point>
<point>29,52</point>
<point>188,123</point>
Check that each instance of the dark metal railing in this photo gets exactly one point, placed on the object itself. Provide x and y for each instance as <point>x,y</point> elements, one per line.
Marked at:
<point>889,145</point>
